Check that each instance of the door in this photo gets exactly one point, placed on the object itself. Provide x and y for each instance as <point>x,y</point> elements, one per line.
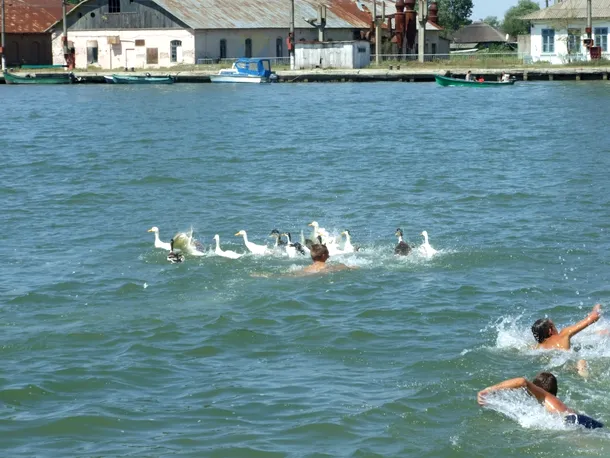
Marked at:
<point>130,58</point>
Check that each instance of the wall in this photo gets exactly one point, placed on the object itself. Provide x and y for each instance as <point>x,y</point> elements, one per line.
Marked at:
<point>28,48</point>
<point>524,45</point>
<point>126,53</point>
<point>333,54</point>
<point>207,42</point>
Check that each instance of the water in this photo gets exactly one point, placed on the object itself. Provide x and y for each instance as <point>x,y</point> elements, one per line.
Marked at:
<point>109,350</point>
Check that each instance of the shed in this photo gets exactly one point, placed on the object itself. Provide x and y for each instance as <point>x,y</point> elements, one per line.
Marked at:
<point>332,54</point>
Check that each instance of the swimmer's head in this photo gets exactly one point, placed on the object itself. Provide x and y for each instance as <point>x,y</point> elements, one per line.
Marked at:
<point>319,252</point>
<point>547,382</point>
<point>543,329</point>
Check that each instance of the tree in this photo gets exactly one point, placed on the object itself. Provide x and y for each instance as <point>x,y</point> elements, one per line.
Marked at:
<point>453,14</point>
<point>513,24</point>
<point>493,21</point>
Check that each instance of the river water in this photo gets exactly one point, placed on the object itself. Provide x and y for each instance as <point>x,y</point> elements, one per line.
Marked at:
<point>109,350</point>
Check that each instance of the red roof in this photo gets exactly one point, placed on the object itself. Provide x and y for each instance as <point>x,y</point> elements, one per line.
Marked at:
<point>32,16</point>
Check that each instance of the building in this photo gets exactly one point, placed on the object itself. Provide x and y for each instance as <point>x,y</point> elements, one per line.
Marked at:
<point>478,36</point>
<point>557,32</point>
<point>26,39</point>
<point>116,34</point>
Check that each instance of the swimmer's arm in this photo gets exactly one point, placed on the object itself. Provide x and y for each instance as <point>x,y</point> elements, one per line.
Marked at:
<point>576,328</point>
<point>550,402</point>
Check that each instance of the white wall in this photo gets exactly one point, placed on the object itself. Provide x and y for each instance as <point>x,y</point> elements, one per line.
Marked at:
<point>335,54</point>
<point>126,54</point>
<point>207,42</point>
<point>560,54</point>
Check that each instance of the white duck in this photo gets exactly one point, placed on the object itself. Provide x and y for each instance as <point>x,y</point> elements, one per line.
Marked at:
<point>253,247</point>
<point>158,242</point>
<point>426,249</point>
<point>225,254</point>
<point>293,248</point>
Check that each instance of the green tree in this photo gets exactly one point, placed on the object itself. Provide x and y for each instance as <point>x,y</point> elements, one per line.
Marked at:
<point>493,21</point>
<point>453,14</point>
<point>513,24</point>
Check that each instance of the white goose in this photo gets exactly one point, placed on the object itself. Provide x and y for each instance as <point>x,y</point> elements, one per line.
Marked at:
<point>426,249</point>
<point>225,254</point>
<point>158,242</point>
<point>253,247</point>
<point>293,248</point>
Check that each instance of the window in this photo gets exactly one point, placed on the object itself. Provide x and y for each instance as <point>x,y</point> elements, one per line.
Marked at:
<point>140,43</point>
<point>223,49</point>
<point>279,47</point>
<point>433,48</point>
<point>601,37</point>
<point>152,55</point>
<point>175,54</point>
<point>248,47</point>
<point>548,40</point>
<point>573,41</point>
<point>114,6</point>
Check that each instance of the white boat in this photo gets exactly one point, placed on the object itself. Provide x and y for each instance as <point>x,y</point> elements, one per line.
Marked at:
<point>246,70</point>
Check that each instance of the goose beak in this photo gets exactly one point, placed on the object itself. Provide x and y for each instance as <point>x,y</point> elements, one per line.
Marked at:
<point>150,230</point>
<point>238,233</point>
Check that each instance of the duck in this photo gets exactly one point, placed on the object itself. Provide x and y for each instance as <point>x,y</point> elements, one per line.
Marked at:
<point>225,253</point>
<point>293,248</point>
<point>426,249</point>
<point>347,246</point>
<point>278,238</point>
<point>403,248</point>
<point>252,247</point>
<point>174,257</point>
<point>158,243</point>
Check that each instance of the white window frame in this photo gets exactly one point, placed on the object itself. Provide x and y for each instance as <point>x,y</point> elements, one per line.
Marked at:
<point>601,37</point>
<point>548,41</point>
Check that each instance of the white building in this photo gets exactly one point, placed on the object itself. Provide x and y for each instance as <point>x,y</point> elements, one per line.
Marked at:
<point>116,34</point>
<point>558,31</point>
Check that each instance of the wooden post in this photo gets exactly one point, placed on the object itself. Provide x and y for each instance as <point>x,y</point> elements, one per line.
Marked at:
<point>3,37</point>
<point>422,19</point>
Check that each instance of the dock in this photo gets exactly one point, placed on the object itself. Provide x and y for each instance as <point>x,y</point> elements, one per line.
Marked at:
<point>391,72</point>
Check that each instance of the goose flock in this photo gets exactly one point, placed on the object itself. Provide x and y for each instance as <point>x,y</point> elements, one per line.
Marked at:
<point>183,243</point>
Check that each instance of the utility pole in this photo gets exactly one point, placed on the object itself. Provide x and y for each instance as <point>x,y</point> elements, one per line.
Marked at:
<point>291,35</point>
<point>589,28</point>
<point>3,37</point>
<point>377,48</point>
<point>422,17</point>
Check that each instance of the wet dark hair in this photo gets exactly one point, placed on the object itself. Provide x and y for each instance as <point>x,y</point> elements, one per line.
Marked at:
<point>319,252</point>
<point>547,382</point>
<point>541,329</point>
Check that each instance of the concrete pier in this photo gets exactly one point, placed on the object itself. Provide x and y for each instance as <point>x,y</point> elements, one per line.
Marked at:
<point>404,74</point>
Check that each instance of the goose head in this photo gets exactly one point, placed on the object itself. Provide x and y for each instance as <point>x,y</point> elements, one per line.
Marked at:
<point>275,233</point>
<point>216,237</point>
<point>242,232</point>
<point>314,224</point>
<point>398,232</point>
<point>154,229</point>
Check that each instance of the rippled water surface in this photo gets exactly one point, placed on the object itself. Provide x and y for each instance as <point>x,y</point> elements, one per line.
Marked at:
<point>109,350</point>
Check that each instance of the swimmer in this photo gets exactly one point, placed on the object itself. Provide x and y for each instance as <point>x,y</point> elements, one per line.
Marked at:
<point>549,338</point>
<point>543,388</point>
<point>319,256</point>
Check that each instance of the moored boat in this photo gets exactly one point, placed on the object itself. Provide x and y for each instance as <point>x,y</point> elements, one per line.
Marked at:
<point>448,81</point>
<point>245,70</point>
<point>40,78</point>
<point>140,79</point>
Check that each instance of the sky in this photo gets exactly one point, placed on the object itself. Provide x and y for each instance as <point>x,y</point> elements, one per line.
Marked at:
<point>484,8</point>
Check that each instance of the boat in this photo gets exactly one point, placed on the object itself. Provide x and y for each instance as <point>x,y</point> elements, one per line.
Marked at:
<point>448,81</point>
<point>140,79</point>
<point>246,70</point>
<point>41,78</point>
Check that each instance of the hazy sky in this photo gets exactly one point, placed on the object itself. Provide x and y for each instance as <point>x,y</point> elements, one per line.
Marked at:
<point>484,8</point>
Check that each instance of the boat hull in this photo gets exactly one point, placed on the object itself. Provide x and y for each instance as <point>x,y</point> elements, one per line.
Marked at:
<point>447,81</point>
<point>120,79</point>
<point>238,79</point>
<point>64,78</point>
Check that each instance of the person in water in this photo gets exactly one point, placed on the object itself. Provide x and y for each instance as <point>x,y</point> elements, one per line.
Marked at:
<point>549,338</point>
<point>319,256</point>
<point>544,389</point>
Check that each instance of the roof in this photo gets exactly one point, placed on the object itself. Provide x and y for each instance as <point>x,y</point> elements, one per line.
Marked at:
<point>479,32</point>
<point>572,9</point>
<point>270,14</point>
<point>31,16</point>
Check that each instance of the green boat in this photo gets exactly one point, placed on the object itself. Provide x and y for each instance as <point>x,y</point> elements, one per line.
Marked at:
<point>41,78</point>
<point>140,79</point>
<point>447,81</point>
